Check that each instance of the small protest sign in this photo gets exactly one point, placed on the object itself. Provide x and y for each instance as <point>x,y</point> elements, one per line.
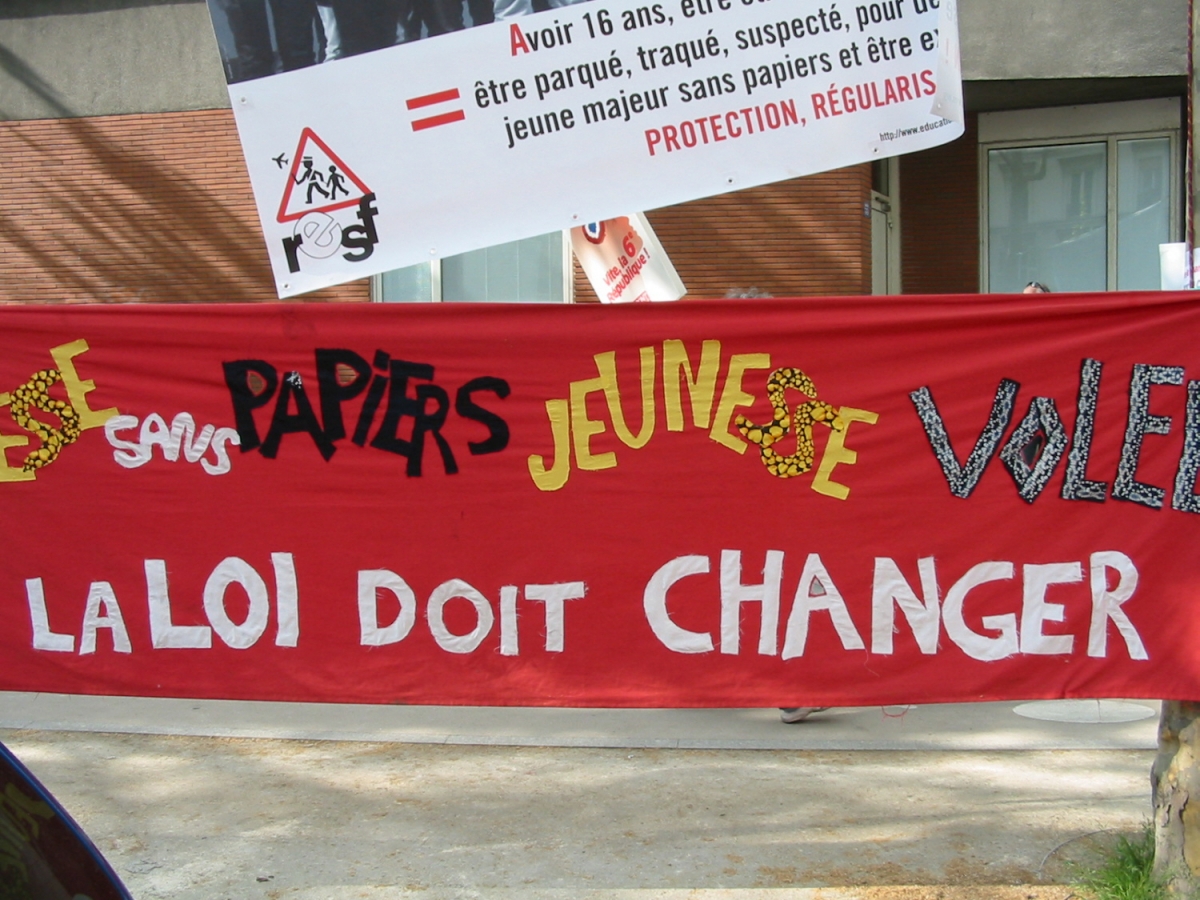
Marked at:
<point>624,261</point>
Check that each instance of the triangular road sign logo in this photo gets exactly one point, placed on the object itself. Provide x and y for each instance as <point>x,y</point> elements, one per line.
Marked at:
<point>318,181</point>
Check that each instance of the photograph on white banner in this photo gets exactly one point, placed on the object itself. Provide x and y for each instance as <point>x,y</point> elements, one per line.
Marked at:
<point>624,261</point>
<point>399,139</point>
<point>258,38</point>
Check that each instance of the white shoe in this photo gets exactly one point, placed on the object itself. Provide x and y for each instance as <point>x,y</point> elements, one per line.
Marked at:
<point>794,714</point>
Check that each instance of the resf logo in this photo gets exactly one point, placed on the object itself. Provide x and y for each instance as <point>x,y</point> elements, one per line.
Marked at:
<point>319,235</point>
<point>320,196</point>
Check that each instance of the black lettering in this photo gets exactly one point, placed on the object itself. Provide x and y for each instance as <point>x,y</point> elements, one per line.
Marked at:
<point>355,238</point>
<point>362,237</point>
<point>290,246</point>
<point>1034,449</point>
<point>1076,485</point>
<point>341,375</point>
<point>366,415</point>
<point>366,214</point>
<point>1139,424</point>
<point>1185,497</point>
<point>251,384</point>
<point>431,423</point>
<point>303,420</point>
<point>963,479</point>
<point>466,407</point>
<point>400,405</point>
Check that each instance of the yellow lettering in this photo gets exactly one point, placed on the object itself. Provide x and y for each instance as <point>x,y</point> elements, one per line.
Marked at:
<point>732,397</point>
<point>558,412</point>
<point>583,428</point>
<point>77,388</point>
<point>700,389</point>
<point>606,365</point>
<point>7,472</point>
<point>837,454</point>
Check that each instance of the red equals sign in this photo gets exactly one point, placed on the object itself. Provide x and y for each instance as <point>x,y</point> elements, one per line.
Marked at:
<point>427,100</point>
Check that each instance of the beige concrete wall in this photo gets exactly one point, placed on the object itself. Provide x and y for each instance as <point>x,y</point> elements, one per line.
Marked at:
<point>1032,39</point>
<point>101,57</point>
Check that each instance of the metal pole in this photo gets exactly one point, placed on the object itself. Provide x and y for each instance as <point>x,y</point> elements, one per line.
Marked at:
<point>1190,140</point>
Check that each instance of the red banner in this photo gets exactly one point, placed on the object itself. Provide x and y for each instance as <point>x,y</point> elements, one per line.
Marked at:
<point>772,503</point>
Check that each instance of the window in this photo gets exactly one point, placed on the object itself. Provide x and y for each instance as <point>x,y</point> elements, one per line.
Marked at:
<point>534,270</point>
<point>1079,198</point>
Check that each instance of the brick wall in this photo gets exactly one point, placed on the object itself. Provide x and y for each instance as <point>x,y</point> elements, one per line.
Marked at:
<point>800,238</point>
<point>939,191</point>
<point>158,208</point>
<point>132,208</point>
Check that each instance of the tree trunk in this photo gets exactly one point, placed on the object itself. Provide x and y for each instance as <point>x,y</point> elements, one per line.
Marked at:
<point>1175,781</point>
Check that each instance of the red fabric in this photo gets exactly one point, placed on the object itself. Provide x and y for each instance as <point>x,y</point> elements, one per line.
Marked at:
<point>86,523</point>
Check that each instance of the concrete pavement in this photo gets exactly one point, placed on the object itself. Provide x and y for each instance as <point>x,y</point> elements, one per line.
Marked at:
<point>312,802</point>
<point>1065,724</point>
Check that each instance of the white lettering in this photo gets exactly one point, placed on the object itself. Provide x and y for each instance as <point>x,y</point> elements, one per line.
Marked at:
<point>816,591</point>
<point>1106,604</point>
<point>553,595</point>
<point>1035,611</point>
<point>890,589</point>
<point>458,643</point>
<point>180,436</point>
<point>43,637</point>
<point>654,601</point>
<point>508,620</point>
<point>975,645</point>
<point>100,594</point>
<point>286,600</point>
<point>370,582</point>
<point>163,633</point>
<point>734,594</point>
<point>128,454</point>
<point>233,570</point>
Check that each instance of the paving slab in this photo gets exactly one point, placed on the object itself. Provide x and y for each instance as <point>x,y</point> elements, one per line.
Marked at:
<point>223,800</point>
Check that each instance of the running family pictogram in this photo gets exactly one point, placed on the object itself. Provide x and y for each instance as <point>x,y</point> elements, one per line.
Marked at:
<point>318,181</point>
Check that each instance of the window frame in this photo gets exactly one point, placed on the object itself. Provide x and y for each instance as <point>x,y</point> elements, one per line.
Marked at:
<point>435,278</point>
<point>1069,126</point>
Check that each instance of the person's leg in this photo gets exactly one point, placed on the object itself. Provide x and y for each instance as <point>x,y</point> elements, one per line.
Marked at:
<point>790,715</point>
<point>408,21</point>
<point>333,43</point>
<point>294,34</point>
<point>481,12</point>
<point>510,9</point>
<point>252,55</point>
<point>442,16</point>
<point>365,25</point>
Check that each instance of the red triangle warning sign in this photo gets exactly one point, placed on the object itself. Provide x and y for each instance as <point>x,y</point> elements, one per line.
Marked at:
<point>318,181</point>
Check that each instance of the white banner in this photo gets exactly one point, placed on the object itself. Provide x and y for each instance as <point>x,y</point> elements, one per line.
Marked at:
<point>575,115</point>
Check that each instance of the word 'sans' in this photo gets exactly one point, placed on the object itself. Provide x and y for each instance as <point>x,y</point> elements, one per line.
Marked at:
<point>181,436</point>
